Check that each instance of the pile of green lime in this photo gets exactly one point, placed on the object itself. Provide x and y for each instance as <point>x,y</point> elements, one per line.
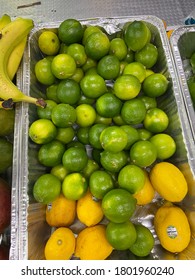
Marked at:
<point>102,126</point>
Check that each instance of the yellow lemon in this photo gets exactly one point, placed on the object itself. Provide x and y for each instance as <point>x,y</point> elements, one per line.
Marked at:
<point>146,194</point>
<point>172,228</point>
<point>60,245</point>
<point>89,210</point>
<point>169,181</point>
<point>61,212</point>
<point>92,244</point>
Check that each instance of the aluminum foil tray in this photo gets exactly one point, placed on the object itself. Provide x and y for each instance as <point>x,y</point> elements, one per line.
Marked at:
<point>29,230</point>
<point>183,45</point>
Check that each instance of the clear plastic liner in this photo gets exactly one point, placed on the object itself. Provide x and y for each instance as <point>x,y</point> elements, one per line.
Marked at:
<point>29,231</point>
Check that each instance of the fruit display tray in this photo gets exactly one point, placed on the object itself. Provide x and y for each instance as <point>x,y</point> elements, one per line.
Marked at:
<point>29,230</point>
<point>183,45</point>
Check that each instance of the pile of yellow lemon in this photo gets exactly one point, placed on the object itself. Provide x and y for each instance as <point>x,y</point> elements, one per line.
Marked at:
<point>104,141</point>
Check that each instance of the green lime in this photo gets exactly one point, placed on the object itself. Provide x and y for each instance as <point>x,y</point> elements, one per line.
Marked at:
<point>94,135</point>
<point>136,69</point>
<point>103,120</point>
<point>131,178</point>
<point>149,72</point>
<point>77,51</point>
<point>113,139</point>
<point>59,171</point>
<point>148,55</point>
<point>74,186</point>
<point>45,113</point>
<point>46,188</point>
<point>70,31</point>
<point>42,131</point>
<point>155,85</point>
<point>91,166</point>
<point>113,162</point>
<point>150,102</point>
<point>122,66</point>
<point>88,31</point>
<point>68,91</point>
<point>108,67</point>
<point>118,48</point>
<point>78,75</point>
<point>91,71</point>
<point>63,66</point>
<point>51,93</point>
<point>144,242</point>
<point>144,134</point>
<point>90,63</point>
<point>85,100</point>
<point>132,135</point>
<point>49,42</point>
<point>118,120</point>
<point>43,72</point>
<point>165,145</point>
<point>118,205</point>
<point>63,115</point>
<point>83,135</point>
<point>97,45</point>
<point>143,153</point>
<point>76,144</point>
<point>136,35</point>
<point>93,86</point>
<point>127,87</point>
<point>63,48</point>
<point>108,105</point>
<point>100,182</point>
<point>121,235</point>
<point>96,154</point>
<point>75,159</point>
<point>133,111</point>
<point>85,115</point>
<point>50,154</point>
<point>65,134</point>
<point>130,57</point>
<point>156,120</point>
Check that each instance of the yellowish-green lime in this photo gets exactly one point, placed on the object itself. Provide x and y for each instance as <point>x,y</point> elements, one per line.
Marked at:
<point>49,42</point>
<point>42,131</point>
<point>74,186</point>
<point>127,87</point>
<point>63,66</point>
<point>136,69</point>
<point>113,139</point>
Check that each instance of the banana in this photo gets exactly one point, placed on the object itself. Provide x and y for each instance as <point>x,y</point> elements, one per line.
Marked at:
<point>17,54</point>
<point>15,58</point>
<point>4,20</point>
<point>10,36</point>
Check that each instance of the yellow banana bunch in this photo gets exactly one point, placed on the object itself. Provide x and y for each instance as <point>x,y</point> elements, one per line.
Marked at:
<point>13,37</point>
<point>17,54</point>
